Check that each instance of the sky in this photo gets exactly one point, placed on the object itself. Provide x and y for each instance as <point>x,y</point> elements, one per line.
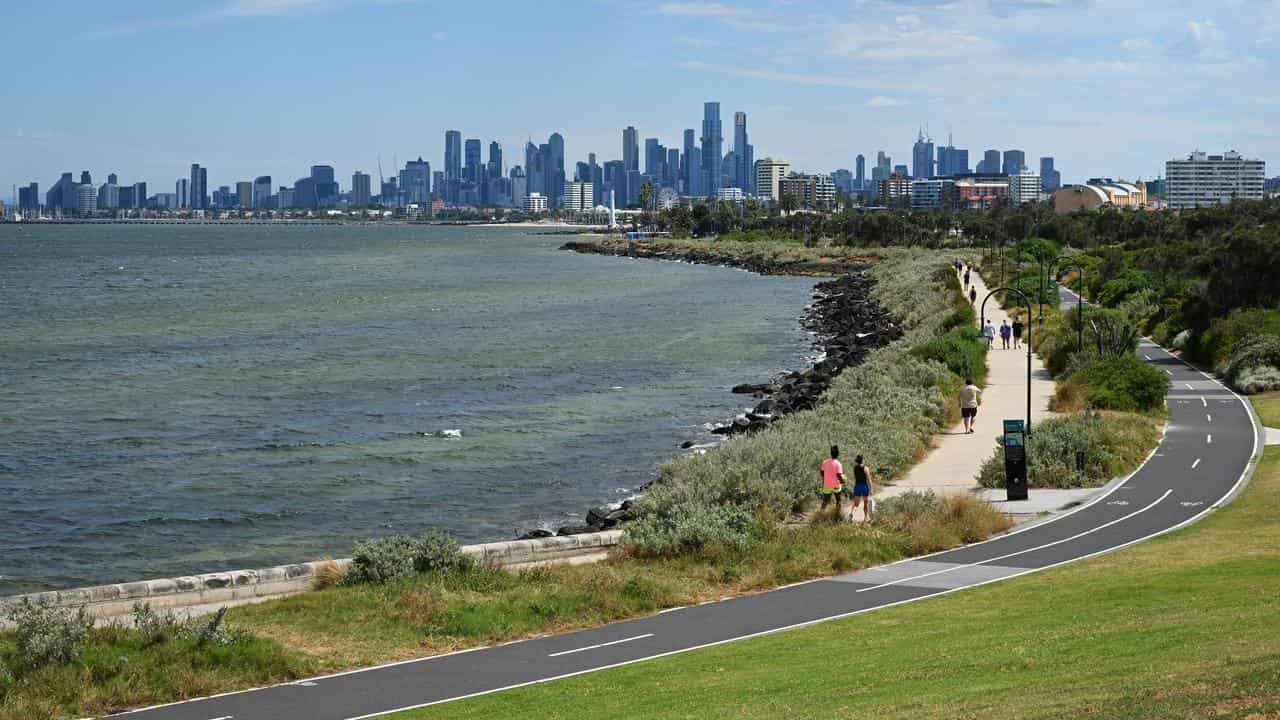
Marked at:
<point>256,87</point>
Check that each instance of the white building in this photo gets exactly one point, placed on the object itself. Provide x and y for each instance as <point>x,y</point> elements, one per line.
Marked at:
<point>769,174</point>
<point>730,193</point>
<point>824,191</point>
<point>1203,180</point>
<point>1024,187</point>
<point>578,196</point>
<point>86,199</point>
<point>930,193</point>
<point>535,202</point>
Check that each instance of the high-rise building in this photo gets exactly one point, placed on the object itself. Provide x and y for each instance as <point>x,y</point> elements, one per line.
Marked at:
<point>952,160</point>
<point>895,190</point>
<point>139,195</point>
<point>198,190</point>
<point>519,186</point>
<point>1014,162</point>
<point>244,194</point>
<point>1050,178</point>
<point>691,164</point>
<point>361,189</point>
<point>85,178</point>
<point>769,175</point>
<point>535,203</point>
<point>62,196</point>
<point>261,191</point>
<point>578,196</point>
<point>860,172</point>
<point>930,193</point>
<point>843,180</point>
<point>630,149</point>
<point>672,167</point>
<point>922,157</point>
<point>471,167</point>
<point>415,182</point>
<point>86,198</point>
<point>452,155</point>
<point>326,186</point>
<point>108,196</point>
<point>29,197</point>
<point>744,162</point>
<point>555,169</point>
<point>712,149</point>
<point>1024,187</point>
<point>990,164</point>
<point>495,160</point>
<point>1202,179</point>
<point>655,158</point>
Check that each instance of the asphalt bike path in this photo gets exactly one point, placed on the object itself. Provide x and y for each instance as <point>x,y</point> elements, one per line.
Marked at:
<point>1203,459</point>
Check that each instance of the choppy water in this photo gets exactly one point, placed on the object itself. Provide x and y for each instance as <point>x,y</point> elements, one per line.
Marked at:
<point>185,399</point>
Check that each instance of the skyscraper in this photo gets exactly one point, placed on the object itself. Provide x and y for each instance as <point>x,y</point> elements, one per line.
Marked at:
<point>630,149</point>
<point>952,160</point>
<point>990,162</point>
<point>326,187</point>
<point>860,171</point>
<point>555,169</point>
<point>244,194</point>
<point>672,177</point>
<point>452,155</point>
<point>655,158</point>
<point>1050,178</point>
<point>261,191</point>
<point>712,149</point>
<point>1014,162</point>
<point>743,171</point>
<point>361,189</point>
<point>471,171</point>
<point>181,188</point>
<point>691,167</point>
<point>199,188</point>
<point>495,160</point>
<point>922,157</point>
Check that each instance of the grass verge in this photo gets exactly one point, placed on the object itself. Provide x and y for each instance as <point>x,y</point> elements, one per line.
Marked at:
<point>1180,627</point>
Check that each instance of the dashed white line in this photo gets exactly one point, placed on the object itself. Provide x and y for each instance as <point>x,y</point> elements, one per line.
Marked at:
<point>1188,386</point>
<point>1020,552</point>
<point>1148,357</point>
<point>1170,372</point>
<point>1203,401</point>
<point>1208,417</point>
<point>593,647</point>
<point>1208,439</point>
<point>1194,464</point>
<point>224,717</point>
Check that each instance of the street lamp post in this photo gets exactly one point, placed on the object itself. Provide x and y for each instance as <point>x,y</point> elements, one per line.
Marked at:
<point>1057,265</point>
<point>982,322</point>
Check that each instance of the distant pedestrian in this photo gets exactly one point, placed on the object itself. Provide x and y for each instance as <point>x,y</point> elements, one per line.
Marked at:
<point>861,489</point>
<point>973,295</point>
<point>1017,332</point>
<point>1005,333</point>
<point>969,404</point>
<point>989,332</point>
<point>832,478</point>
<point>966,278</point>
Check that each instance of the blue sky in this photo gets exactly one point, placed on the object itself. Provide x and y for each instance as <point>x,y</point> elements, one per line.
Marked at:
<point>249,87</point>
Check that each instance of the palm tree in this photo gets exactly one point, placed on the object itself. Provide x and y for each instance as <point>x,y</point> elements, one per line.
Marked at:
<point>647,196</point>
<point>788,203</point>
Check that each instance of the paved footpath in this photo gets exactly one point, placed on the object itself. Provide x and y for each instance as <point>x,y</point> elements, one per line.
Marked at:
<point>952,465</point>
<point>1204,458</point>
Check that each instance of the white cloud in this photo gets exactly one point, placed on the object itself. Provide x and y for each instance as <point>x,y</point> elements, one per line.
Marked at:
<point>881,101</point>
<point>1203,38</point>
<point>809,79</point>
<point>907,40</point>
<point>253,8</point>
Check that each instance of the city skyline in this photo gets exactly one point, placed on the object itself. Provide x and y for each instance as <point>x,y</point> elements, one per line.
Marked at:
<point>245,112</point>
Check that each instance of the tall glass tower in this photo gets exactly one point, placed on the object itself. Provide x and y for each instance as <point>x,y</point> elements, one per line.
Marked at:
<point>712,149</point>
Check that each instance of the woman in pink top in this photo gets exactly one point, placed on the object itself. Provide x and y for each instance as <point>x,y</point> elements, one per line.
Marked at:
<point>832,478</point>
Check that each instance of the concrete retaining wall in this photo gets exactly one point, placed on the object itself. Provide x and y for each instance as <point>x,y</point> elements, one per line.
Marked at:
<point>238,587</point>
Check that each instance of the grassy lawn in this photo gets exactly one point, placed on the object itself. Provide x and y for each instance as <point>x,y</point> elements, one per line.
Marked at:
<point>1268,407</point>
<point>1183,626</point>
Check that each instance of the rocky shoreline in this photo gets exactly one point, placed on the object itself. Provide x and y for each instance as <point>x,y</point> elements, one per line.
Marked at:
<point>847,324</point>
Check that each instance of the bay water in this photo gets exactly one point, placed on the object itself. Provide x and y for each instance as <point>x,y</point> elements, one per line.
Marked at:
<point>193,398</point>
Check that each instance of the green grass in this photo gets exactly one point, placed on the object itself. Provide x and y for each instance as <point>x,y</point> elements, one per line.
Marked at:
<point>1182,626</point>
<point>1268,407</point>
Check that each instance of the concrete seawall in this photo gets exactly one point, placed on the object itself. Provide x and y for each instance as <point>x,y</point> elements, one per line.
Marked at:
<point>197,594</point>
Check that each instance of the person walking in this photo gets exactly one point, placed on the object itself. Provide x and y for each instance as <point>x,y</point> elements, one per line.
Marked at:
<point>989,332</point>
<point>1005,332</point>
<point>968,404</point>
<point>861,489</point>
<point>832,473</point>
<point>973,295</point>
<point>1017,332</point>
<point>966,278</point>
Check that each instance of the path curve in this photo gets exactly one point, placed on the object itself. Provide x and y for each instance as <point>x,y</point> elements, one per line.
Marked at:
<point>1206,455</point>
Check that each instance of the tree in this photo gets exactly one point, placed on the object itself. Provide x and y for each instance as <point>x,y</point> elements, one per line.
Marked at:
<point>647,197</point>
<point>788,203</point>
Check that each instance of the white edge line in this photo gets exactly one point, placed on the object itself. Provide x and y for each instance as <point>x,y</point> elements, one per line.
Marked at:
<point>1090,531</point>
<point>1194,464</point>
<point>600,645</point>
<point>1248,470</point>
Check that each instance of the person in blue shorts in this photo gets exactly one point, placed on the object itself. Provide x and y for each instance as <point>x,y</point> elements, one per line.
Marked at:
<point>861,489</point>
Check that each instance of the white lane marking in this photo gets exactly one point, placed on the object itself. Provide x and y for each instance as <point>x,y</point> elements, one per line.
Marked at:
<point>1188,386</point>
<point>1166,494</point>
<point>1147,357</point>
<point>224,717</point>
<point>600,645</point>
<point>1203,401</point>
<point>1208,417</point>
<point>1208,439</point>
<point>1194,464</point>
<point>1170,372</point>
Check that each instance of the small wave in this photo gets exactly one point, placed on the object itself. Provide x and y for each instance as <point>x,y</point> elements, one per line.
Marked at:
<point>451,433</point>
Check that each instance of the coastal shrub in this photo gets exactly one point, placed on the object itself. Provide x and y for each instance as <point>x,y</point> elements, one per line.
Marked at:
<point>1258,379</point>
<point>676,530</point>
<point>47,634</point>
<point>1214,346</point>
<point>152,627</point>
<point>1123,382</point>
<point>398,556</point>
<point>1257,351</point>
<point>937,523</point>
<point>961,350</point>
<point>1113,444</point>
